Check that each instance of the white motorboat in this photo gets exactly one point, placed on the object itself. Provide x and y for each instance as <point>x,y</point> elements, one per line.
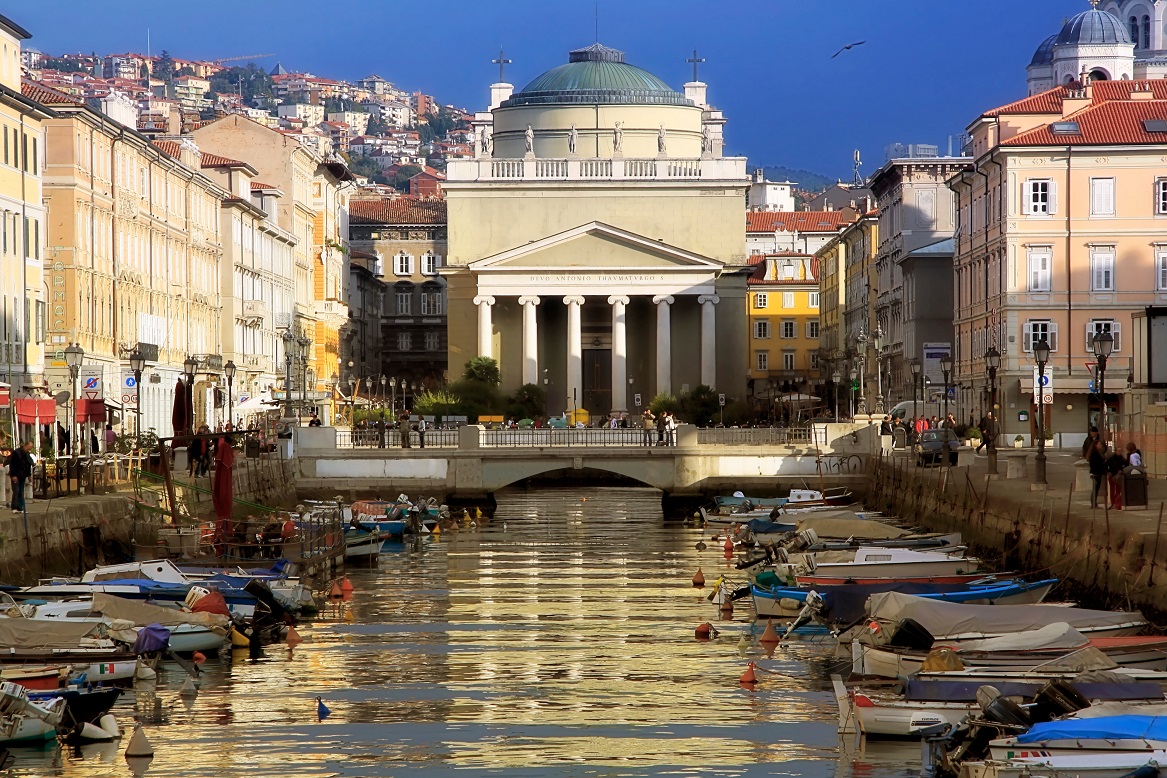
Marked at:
<point>24,721</point>
<point>1094,736</point>
<point>1036,764</point>
<point>185,636</point>
<point>870,562</point>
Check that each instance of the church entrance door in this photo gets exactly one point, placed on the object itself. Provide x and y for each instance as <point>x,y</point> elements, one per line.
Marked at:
<point>597,381</point>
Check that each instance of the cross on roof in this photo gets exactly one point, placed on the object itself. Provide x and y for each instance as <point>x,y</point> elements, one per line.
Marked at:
<point>696,61</point>
<point>502,62</point>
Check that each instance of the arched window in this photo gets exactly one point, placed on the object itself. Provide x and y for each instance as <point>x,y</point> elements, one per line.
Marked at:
<point>1099,75</point>
<point>1133,23</point>
<point>1146,32</point>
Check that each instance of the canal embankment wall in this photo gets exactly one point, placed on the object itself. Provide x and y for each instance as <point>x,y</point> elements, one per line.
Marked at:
<point>1116,558</point>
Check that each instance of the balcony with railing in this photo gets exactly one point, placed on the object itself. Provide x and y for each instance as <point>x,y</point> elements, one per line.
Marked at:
<point>596,169</point>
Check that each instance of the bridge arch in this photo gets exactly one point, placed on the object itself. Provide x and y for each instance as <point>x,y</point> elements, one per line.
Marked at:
<point>657,472</point>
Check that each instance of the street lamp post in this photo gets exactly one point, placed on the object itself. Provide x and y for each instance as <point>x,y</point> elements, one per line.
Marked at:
<point>393,400</point>
<point>877,341</point>
<point>288,339</point>
<point>1103,347</point>
<point>862,341</point>
<point>303,342</point>
<point>917,368</point>
<point>352,401</point>
<point>137,363</point>
<point>836,379</point>
<point>946,368</point>
<point>1041,356</point>
<point>189,366</point>
<point>854,376</point>
<point>229,371</point>
<point>992,362</point>
<point>74,355</point>
<point>309,385</point>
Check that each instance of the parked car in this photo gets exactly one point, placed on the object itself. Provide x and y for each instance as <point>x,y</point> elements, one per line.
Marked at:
<point>933,445</point>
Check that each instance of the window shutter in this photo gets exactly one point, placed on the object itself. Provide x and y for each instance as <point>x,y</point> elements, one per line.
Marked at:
<point>1090,336</point>
<point>1053,336</point>
<point>1102,196</point>
<point>1053,198</point>
<point>1116,331</point>
<point>1027,338</point>
<point>1027,197</point>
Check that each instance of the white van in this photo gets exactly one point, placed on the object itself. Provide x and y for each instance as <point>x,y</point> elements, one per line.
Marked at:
<point>908,409</point>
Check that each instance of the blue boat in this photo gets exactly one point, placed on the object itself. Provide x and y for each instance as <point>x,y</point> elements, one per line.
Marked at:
<point>845,604</point>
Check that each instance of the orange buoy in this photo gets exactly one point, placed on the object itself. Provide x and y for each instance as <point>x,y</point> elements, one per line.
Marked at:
<point>335,591</point>
<point>198,657</point>
<point>293,639</point>
<point>726,606</point>
<point>699,579</point>
<point>345,586</point>
<point>769,635</point>
<point>728,544</point>
<point>705,631</point>
<point>749,677</point>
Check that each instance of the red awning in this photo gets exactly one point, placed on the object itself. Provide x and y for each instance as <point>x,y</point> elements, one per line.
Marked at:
<point>91,410</point>
<point>28,409</point>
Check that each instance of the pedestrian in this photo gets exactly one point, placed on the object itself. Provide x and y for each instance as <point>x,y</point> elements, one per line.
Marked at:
<point>20,466</point>
<point>1133,455</point>
<point>934,424</point>
<point>1097,470</point>
<point>1114,467</point>
<point>1091,438</point>
<point>671,430</point>
<point>421,428</point>
<point>613,422</point>
<point>661,423</point>
<point>403,423</point>
<point>885,426</point>
<point>647,420</point>
<point>986,427</point>
<point>950,422</point>
<point>111,438</point>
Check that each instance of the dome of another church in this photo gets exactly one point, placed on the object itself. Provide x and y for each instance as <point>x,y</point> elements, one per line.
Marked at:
<point>1045,52</point>
<point>1093,28</point>
<point>597,75</point>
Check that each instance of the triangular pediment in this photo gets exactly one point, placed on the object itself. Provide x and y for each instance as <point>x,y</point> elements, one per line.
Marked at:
<point>596,246</point>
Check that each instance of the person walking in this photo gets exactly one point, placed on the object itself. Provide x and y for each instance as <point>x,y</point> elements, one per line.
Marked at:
<point>421,428</point>
<point>648,421</point>
<point>1097,471</point>
<point>986,426</point>
<point>111,438</point>
<point>20,466</point>
<point>1092,437</point>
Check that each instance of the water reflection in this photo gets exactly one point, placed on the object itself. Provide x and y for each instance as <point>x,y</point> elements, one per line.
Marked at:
<point>555,639</point>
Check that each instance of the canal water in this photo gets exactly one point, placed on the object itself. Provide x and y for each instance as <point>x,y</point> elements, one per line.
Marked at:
<point>554,640</point>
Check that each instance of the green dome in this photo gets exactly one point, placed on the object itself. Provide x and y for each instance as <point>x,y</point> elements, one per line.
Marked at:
<point>597,75</point>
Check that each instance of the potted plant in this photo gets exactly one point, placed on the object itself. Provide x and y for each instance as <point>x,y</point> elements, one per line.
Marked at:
<point>972,436</point>
<point>1018,441</point>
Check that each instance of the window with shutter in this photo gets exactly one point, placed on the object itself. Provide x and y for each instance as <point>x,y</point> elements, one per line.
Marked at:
<point>1102,271</point>
<point>1102,197</point>
<point>1039,197</point>
<point>1036,330</point>
<point>1039,272</point>
<point>1161,271</point>
<point>1027,338</point>
<point>1096,327</point>
<point>1161,196</point>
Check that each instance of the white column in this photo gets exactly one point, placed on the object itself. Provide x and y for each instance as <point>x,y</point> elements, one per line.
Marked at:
<point>619,354</point>
<point>530,340</point>
<point>664,344</point>
<point>485,330</point>
<point>574,352</point>
<point>708,338</point>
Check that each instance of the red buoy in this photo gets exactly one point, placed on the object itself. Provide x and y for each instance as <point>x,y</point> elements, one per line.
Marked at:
<point>748,677</point>
<point>198,657</point>
<point>699,579</point>
<point>769,635</point>
<point>705,631</point>
<point>345,586</point>
<point>728,545</point>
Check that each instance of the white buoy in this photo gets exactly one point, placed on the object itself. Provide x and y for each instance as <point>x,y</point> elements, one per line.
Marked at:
<point>139,745</point>
<point>109,723</point>
<point>189,688</point>
<point>93,733</point>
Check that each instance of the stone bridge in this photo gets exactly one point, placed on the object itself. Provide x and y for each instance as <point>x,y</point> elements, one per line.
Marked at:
<point>472,462</point>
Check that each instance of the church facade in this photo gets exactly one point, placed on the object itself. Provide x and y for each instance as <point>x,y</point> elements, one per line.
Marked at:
<point>1114,40</point>
<point>597,239</point>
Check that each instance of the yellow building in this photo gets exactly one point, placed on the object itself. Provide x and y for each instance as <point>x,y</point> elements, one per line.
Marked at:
<point>783,311</point>
<point>133,259</point>
<point>22,217</point>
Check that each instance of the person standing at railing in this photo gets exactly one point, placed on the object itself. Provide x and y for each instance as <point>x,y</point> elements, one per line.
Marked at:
<point>661,423</point>
<point>648,421</point>
<point>421,426</point>
<point>403,423</point>
<point>20,466</point>
<point>671,430</point>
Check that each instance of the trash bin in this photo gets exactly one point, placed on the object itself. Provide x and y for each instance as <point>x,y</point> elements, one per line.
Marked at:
<point>899,437</point>
<point>1134,487</point>
<point>251,448</point>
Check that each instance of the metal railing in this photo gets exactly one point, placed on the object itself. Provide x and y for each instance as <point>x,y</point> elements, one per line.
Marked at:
<point>391,438</point>
<point>556,438</point>
<point>591,437</point>
<point>757,436</point>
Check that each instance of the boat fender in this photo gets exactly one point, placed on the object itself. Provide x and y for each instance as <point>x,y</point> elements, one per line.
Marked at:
<point>109,723</point>
<point>198,657</point>
<point>874,628</point>
<point>789,604</point>
<point>92,733</point>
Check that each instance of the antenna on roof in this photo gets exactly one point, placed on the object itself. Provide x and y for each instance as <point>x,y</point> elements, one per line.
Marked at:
<point>858,164</point>
<point>597,21</point>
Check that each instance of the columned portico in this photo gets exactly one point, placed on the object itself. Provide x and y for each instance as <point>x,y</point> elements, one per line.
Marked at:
<point>485,328</point>
<point>708,338</point>
<point>619,353</point>
<point>530,340</point>
<point>574,351</point>
<point>664,344</point>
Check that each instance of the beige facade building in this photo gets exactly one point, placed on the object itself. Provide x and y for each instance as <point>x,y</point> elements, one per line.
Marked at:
<point>1060,237</point>
<point>22,221</point>
<point>133,260</point>
<point>597,239</point>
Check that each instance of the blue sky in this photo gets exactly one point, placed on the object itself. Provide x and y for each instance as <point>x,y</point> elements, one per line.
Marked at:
<point>927,69</point>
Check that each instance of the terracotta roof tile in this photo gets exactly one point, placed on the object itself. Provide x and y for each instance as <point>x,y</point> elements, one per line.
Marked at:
<point>170,147</point>
<point>259,185</point>
<point>758,276</point>
<point>402,210</point>
<point>1049,101</point>
<point>46,95</point>
<point>796,221</point>
<point>214,160</point>
<point>1116,122</point>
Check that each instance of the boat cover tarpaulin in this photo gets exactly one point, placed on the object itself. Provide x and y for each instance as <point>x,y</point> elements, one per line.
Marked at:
<point>1104,728</point>
<point>966,691</point>
<point>153,637</point>
<point>766,526</point>
<point>847,604</point>
<point>843,528</point>
<point>1051,636</point>
<point>143,613</point>
<point>945,618</point>
<point>41,633</point>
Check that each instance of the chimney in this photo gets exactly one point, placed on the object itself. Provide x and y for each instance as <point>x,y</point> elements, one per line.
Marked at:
<point>695,91</point>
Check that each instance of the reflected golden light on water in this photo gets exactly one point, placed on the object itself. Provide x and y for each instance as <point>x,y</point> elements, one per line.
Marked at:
<point>555,639</point>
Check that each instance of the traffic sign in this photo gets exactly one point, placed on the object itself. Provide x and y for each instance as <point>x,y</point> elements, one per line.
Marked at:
<point>721,400</point>
<point>129,388</point>
<point>636,399</point>
<point>91,382</point>
<point>1043,385</point>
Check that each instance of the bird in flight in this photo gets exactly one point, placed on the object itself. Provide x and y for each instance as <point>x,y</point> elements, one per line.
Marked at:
<point>848,46</point>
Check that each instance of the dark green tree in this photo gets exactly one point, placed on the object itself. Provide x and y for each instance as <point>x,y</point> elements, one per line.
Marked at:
<point>483,370</point>
<point>527,402</point>
<point>404,173</point>
<point>164,67</point>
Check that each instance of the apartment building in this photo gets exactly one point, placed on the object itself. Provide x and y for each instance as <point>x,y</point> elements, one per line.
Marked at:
<point>782,300</point>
